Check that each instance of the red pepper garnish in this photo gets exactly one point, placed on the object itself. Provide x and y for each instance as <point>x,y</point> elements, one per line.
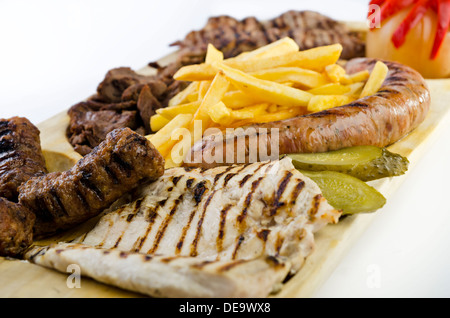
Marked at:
<point>419,8</point>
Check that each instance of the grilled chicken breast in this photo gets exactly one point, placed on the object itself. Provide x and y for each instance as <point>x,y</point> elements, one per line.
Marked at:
<point>233,231</point>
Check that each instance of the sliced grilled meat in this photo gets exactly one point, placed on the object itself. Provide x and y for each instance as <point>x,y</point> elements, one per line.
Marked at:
<point>119,79</point>
<point>118,165</point>
<point>89,126</point>
<point>21,156</point>
<point>16,228</point>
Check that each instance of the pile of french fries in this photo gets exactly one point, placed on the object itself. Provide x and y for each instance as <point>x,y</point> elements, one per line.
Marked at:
<point>272,83</point>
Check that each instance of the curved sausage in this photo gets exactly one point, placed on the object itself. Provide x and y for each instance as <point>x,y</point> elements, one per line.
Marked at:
<point>379,120</point>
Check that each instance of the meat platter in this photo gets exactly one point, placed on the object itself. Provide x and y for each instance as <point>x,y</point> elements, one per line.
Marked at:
<point>22,279</point>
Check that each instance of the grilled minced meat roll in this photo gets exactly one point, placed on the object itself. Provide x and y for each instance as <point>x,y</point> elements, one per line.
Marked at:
<point>119,164</point>
<point>21,157</point>
<point>16,228</point>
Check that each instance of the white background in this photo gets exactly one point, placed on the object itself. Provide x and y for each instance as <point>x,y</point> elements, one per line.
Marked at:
<point>53,54</point>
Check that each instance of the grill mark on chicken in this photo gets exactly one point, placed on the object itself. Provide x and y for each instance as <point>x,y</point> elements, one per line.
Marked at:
<point>189,183</point>
<point>219,175</point>
<point>281,187</point>
<point>244,180</point>
<point>165,224</point>
<point>295,193</point>
<point>231,265</point>
<point>199,225</point>
<point>110,226</point>
<point>240,240</point>
<point>129,218</point>
<point>199,190</point>
<point>180,243</point>
<point>152,214</point>
<point>278,244</point>
<point>221,233</point>
<point>248,200</point>
<point>176,179</point>
<point>315,205</point>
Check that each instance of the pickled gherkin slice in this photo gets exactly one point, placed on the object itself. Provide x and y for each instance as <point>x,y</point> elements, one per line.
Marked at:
<point>347,193</point>
<point>363,162</point>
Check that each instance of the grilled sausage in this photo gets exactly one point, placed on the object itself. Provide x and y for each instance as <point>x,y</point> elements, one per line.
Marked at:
<point>20,155</point>
<point>119,164</point>
<point>379,120</point>
<point>16,228</point>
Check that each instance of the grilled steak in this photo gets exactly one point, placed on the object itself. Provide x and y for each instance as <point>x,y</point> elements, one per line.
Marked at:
<point>224,232</point>
<point>379,120</point>
<point>309,29</point>
<point>16,228</point>
<point>21,157</point>
<point>119,164</point>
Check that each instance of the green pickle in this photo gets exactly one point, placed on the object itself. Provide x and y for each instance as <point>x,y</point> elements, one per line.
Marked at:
<point>347,193</point>
<point>366,163</point>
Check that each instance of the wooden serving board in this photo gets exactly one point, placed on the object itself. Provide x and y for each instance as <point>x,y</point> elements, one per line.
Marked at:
<point>22,279</point>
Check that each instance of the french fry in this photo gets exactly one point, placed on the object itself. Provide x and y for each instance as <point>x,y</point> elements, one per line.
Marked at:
<point>330,89</point>
<point>314,59</point>
<point>323,102</point>
<point>359,76</point>
<point>250,111</point>
<point>265,90</point>
<point>163,138</point>
<point>214,95</point>
<point>279,47</point>
<point>182,96</point>
<point>296,75</point>
<point>238,99</point>
<point>336,73</point>
<point>196,72</point>
<point>202,89</point>
<point>213,55</point>
<point>169,163</point>
<point>219,113</point>
<point>158,121</point>
<point>172,111</point>
<point>355,89</point>
<point>375,80</point>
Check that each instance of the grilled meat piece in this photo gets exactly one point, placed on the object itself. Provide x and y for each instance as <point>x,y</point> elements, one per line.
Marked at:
<point>21,156</point>
<point>147,104</point>
<point>118,165</point>
<point>88,127</point>
<point>119,79</point>
<point>309,29</point>
<point>124,99</point>
<point>16,228</point>
<point>224,232</point>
